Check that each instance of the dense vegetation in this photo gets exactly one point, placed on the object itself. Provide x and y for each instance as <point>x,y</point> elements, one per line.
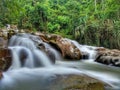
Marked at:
<point>93,22</point>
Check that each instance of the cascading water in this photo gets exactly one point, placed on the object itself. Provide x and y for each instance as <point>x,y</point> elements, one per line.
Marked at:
<point>57,54</point>
<point>84,48</point>
<point>31,69</point>
<point>40,58</point>
<point>22,47</point>
<point>15,62</point>
<point>22,40</point>
<point>108,74</point>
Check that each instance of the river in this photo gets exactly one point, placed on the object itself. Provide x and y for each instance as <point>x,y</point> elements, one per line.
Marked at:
<point>31,76</point>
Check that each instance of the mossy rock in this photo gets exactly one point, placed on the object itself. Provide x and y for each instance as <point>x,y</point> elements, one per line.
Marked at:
<point>76,82</point>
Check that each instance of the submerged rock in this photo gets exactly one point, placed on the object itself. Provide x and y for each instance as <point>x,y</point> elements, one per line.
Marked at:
<point>76,82</point>
<point>85,55</point>
<point>49,79</point>
<point>51,55</point>
<point>109,57</point>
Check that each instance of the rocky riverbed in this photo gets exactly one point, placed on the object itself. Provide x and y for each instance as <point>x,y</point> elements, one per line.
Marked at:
<point>66,49</point>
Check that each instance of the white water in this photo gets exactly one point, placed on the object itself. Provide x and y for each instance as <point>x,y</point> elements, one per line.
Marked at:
<point>52,50</point>
<point>33,79</point>
<point>107,74</point>
<point>84,48</point>
<point>22,41</point>
<point>21,45</point>
<point>37,72</point>
<point>33,58</point>
<point>15,59</point>
<point>41,58</point>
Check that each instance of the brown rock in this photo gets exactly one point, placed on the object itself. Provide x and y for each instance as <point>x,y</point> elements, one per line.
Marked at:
<point>1,74</point>
<point>51,55</point>
<point>5,58</point>
<point>2,63</point>
<point>10,33</point>
<point>3,42</point>
<point>109,57</point>
<point>66,47</point>
<point>76,82</point>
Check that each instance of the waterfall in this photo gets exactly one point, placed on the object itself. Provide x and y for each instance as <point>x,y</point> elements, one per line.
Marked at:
<point>15,59</point>
<point>41,58</point>
<point>22,41</point>
<point>25,52</point>
<point>21,57</point>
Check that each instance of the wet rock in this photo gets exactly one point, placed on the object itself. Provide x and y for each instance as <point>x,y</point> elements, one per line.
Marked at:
<point>75,82</point>
<point>51,55</point>
<point>65,46</point>
<point>108,57</point>
<point>2,63</point>
<point>48,51</point>
<point>1,74</point>
<point>4,33</point>
<point>10,33</point>
<point>5,59</point>
<point>43,47</point>
<point>3,42</point>
<point>85,55</point>
<point>68,49</point>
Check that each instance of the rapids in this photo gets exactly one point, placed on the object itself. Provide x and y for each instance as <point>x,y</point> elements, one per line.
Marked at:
<point>34,71</point>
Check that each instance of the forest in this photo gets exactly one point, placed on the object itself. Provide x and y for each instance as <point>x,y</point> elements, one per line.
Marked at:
<point>59,44</point>
<point>91,22</point>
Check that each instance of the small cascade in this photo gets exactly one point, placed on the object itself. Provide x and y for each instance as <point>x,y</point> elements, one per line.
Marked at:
<point>52,50</point>
<point>25,52</point>
<point>48,48</point>
<point>21,57</point>
<point>15,59</point>
<point>86,49</point>
<point>22,41</point>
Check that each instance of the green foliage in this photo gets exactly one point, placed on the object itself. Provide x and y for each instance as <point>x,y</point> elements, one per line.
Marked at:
<point>9,11</point>
<point>94,22</point>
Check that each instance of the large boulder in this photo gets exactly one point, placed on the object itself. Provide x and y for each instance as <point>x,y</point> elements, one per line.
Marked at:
<point>4,54</point>
<point>75,82</point>
<point>5,59</point>
<point>109,57</point>
<point>64,45</point>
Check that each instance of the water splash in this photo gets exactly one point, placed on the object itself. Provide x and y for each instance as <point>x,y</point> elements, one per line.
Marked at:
<point>21,57</point>
<point>52,50</point>
<point>41,58</point>
<point>15,59</point>
<point>25,52</point>
<point>84,48</point>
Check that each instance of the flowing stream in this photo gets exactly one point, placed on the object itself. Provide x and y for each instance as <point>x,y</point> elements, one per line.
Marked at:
<point>34,71</point>
<point>107,74</point>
